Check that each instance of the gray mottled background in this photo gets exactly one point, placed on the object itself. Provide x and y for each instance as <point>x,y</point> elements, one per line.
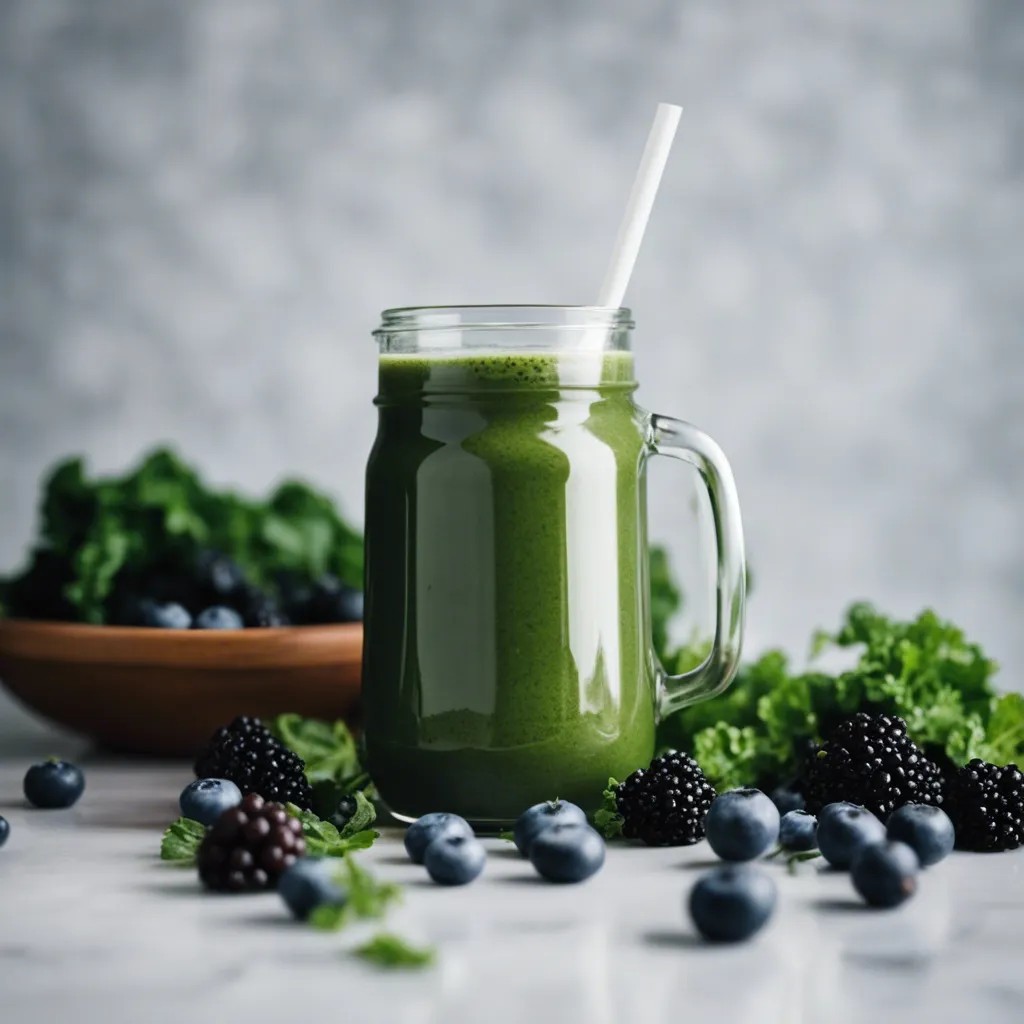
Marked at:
<point>203,207</point>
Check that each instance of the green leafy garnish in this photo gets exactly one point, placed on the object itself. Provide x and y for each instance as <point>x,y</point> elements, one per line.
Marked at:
<point>366,897</point>
<point>387,950</point>
<point>323,838</point>
<point>1004,734</point>
<point>181,841</point>
<point>798,858</point>
<point>332,761</point>
<point>329,749</point>
<point>607,820</point>
<point>509,837</point>
<point>103,535</point>
<point>924,670</point>
<point>365,815</point>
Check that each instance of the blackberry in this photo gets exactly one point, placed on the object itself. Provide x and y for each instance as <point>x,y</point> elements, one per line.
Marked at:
<point>986,804</point>
<point>666,804</point>
<point>250,847</point>
<point>871,761</point>
<point>247,754</point>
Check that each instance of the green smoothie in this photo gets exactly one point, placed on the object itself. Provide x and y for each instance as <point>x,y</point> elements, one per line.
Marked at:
<point>506,652</point>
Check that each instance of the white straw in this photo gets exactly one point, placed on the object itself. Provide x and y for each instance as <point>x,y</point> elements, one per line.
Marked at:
<point>641,200</point>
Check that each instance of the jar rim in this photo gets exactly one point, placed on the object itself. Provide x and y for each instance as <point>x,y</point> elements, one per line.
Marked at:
<point>516,316</point>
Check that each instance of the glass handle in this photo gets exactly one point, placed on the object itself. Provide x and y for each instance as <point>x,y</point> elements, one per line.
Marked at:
<point>666,436</point>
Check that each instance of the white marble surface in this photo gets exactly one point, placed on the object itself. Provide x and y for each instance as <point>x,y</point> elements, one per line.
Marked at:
<point>93,927</point>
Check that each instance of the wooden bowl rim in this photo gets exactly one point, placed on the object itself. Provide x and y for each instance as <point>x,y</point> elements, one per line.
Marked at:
<point>242,649</point>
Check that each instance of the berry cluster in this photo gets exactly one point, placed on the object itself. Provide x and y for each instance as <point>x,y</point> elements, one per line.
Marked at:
<point>247,754</point>
<point>986,803</point>
<point>871,761</point>
<point>250,847</point>
<point>666,804</point>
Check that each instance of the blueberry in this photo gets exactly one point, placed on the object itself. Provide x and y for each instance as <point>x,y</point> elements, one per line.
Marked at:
<point>162,616</point>
<point>217,576</point>
<point>885,874</point>
<point>535,819</point>
<point>567,853</point>
<point>53,784</point>
<point>927,830</point>
<point>206,799</point>
<point>454,859</point>
<point>797,831</point>
<point>843,828</point>
<point>295,593</point>
<point>732,902</point>
<point>742,824</point>
<point>5,830</point>
<point>420,834</point>
<point>310,883</point>
<point>259,610</point>
<point>330,601</point>
<point>218,617</point>
<point>787,800</point>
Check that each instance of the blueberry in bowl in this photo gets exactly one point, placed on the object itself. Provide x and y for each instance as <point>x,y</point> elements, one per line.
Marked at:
<point>166,615</point>
<point>54,784</point>
<point>5,830</point>
<point>216,577</point>
<point>331,601</point>
<point>218,617</point>
<point>259,608</point>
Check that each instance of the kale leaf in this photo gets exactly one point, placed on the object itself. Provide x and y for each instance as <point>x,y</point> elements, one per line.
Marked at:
<point>924,670</point>
<point>100,536</point>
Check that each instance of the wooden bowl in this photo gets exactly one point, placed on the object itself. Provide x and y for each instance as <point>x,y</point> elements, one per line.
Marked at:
<point>162,692</point>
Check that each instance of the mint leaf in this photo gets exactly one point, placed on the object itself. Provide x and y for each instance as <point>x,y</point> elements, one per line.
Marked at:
<point>324,840</point>
<point>321,836</point>
<point>607,820</point>
<point>328,917</point>
<point>358,841</point>
<point>386,950</point>
<point>365,897</point>
<point>328,749</point>
<point>365,815</point>
<point>509,837</point>
<point>181,841</point>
